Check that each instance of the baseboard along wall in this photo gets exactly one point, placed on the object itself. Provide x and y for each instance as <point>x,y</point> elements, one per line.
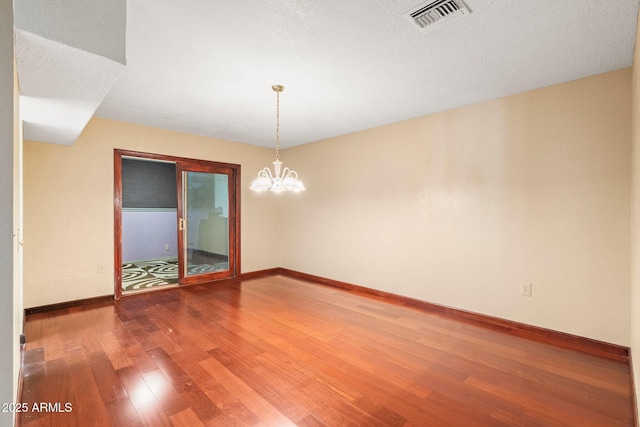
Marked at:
<point>560,339</point>
<point>535,333</point>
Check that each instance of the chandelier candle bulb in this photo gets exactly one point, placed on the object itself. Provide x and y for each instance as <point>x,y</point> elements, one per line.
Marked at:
<point>277,181</point>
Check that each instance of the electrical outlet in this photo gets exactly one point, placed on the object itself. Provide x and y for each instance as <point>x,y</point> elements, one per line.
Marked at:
<point>525,289</point>
<point>100,269</point>
<point>166,247</point>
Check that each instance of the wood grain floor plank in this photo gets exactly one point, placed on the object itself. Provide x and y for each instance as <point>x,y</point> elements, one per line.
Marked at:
<point>186,418</point>
<point>142,398</point>
<point>88,405</point>
<point>280,351</point>
<point>111,388</point>
<point>165,395</point>
<point>44,421</point>
<point>122,414</point>
<point>222,375</point>
<point>267,414</point>
<point>113,350</point>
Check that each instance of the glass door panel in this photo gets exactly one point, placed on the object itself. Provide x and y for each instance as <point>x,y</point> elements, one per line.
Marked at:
<point>205,227</point>
<point>206,222</point>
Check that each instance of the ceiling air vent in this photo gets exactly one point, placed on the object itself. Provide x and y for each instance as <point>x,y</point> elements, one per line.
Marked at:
<point>434,13</point>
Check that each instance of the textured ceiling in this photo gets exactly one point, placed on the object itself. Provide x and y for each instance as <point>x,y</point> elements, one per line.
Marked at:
<point>68,55</point>
<point>207,66</point>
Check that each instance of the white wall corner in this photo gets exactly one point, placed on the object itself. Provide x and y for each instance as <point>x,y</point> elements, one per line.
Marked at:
<point>68,57</point>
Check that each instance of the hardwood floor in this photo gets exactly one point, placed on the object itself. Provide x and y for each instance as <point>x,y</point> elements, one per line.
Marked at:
<point>278,351</point>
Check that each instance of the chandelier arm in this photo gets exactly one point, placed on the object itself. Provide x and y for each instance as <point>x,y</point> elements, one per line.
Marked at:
<point>293,174</point>
<point>286,171</point>
<point>267,173</point>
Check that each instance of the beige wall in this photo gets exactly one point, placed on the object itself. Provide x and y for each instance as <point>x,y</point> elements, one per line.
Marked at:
<point>461,208</point>
<point>69,206</point>
<point>635,212</point>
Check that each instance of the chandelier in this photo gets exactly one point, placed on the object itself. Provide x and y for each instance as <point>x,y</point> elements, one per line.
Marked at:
<point>281,179</point>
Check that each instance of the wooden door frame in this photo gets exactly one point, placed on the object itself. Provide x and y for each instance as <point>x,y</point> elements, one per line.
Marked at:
<point>234,223</point>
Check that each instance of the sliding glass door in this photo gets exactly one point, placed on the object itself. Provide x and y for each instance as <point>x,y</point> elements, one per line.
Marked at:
<point>206,221</point>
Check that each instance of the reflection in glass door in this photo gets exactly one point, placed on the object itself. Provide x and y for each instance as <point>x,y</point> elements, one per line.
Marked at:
<point>204,225</point>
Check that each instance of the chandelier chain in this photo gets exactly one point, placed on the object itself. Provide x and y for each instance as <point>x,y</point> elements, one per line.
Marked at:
<point>277,125</point>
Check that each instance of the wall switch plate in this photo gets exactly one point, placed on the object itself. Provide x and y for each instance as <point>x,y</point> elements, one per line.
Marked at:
<point>100,269</point>
<point>525,289</point>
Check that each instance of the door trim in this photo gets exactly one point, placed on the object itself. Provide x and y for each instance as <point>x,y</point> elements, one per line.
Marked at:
<point>234,178</point>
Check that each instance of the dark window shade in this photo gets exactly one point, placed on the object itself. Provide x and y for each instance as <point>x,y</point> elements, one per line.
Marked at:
<point>147,184</point>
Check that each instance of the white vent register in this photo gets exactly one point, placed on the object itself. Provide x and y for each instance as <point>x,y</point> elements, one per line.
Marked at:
<point>427,16</point>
